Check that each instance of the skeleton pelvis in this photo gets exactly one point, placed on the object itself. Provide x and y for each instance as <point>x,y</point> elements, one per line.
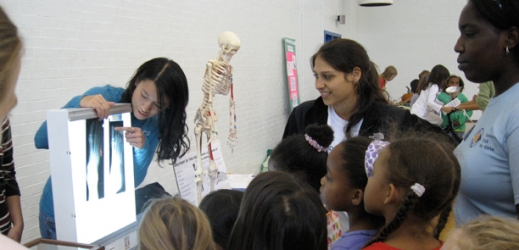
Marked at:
<point>204,119</point>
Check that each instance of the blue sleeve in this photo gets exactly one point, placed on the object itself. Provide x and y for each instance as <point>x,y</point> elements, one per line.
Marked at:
<point>110,93</point>
<point>141,161</point>
<point>143,157</point>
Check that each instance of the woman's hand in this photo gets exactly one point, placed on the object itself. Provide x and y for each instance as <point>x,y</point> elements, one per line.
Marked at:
<point>98,103</point>
<point>134,136</point>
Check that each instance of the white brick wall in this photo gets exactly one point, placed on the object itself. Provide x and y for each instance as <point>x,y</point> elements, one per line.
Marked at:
<point>73,45</point>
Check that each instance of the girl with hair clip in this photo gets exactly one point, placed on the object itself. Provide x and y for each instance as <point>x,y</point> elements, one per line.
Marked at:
<point>304,156</point>
<point>411,181</point>
<point>279,212</point>
<point>174,224</point>
<point>427,106</point>
<point>343,190</point>
<point>458,117</point>
<point>483,233</point>
<point>11,219</point>
<point>351,100</point>
<point>422,80</point>
<point>158,92</point>
<point>489,156</point>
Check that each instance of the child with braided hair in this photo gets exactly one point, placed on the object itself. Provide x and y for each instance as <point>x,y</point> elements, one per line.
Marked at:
<point>413,180</point>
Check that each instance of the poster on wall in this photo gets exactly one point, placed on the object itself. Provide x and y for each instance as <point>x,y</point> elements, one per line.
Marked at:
<point>185,172</point>
<point>291,77</point>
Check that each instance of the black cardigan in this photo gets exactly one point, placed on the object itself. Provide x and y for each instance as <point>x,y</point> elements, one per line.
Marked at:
<point>376,119</point>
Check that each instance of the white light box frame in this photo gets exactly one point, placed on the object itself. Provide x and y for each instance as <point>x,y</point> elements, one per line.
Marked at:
<point>92,173</point>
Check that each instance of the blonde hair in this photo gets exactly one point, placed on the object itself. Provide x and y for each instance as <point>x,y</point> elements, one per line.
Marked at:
<point>10,50</point>
<point>388,72</point>
<point>489,232</point>
<point>175,224</point>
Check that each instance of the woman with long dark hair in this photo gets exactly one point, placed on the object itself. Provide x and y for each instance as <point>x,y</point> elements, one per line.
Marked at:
<point>158,92</point>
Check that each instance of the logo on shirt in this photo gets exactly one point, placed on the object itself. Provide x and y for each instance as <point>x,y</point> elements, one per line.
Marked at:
<point>477,137</point>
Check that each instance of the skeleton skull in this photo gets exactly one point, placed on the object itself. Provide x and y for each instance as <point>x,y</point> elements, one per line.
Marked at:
<point>229,44</point>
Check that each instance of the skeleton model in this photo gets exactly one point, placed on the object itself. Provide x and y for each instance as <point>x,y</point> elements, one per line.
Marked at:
<point>217,80</point>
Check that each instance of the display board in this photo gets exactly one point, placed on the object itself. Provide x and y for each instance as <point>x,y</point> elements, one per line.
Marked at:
<point>291,69</point>
<point>92,173</point>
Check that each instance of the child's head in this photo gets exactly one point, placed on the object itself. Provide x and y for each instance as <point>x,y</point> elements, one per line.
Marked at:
<point>438,76</point>
<point>413,175</point>
<point>423,74</point>
<point>222,207</point>
<point>485,232</point>
<point>414,85</point>
<point>343,186</point>
<point>304,156</point>
<point>423,78</point>
<point>279,212</point>
<point>346,178</point>
<point>389,73</point>
<point>455,81</point>
<point>173,223</point>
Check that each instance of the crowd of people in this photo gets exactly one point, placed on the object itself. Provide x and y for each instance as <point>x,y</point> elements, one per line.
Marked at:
<point>352,170</point>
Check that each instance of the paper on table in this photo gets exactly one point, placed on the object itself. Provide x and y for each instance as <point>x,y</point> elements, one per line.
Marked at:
<point>185,172</point>
<point>240,181</point>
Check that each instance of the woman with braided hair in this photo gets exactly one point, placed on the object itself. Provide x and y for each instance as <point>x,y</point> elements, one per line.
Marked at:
<point>412,181</point>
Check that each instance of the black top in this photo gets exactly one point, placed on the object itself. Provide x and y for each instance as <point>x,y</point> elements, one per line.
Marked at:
<point>376,119</point>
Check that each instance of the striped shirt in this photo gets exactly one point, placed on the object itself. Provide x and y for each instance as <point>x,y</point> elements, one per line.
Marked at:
<point>8,183</point>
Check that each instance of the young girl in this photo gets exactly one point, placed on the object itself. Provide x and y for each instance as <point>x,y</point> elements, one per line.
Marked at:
<point>304,156</point>
<point>427,106</point>
<point>413,180</point>
<point>174,224</point>
<point>222,208</point>
<point>11,219</point>
<point>343,190</point>
<point>158,92</point>
<point>279,212</point>
<point>388,75</point>
<point>458,118</point>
